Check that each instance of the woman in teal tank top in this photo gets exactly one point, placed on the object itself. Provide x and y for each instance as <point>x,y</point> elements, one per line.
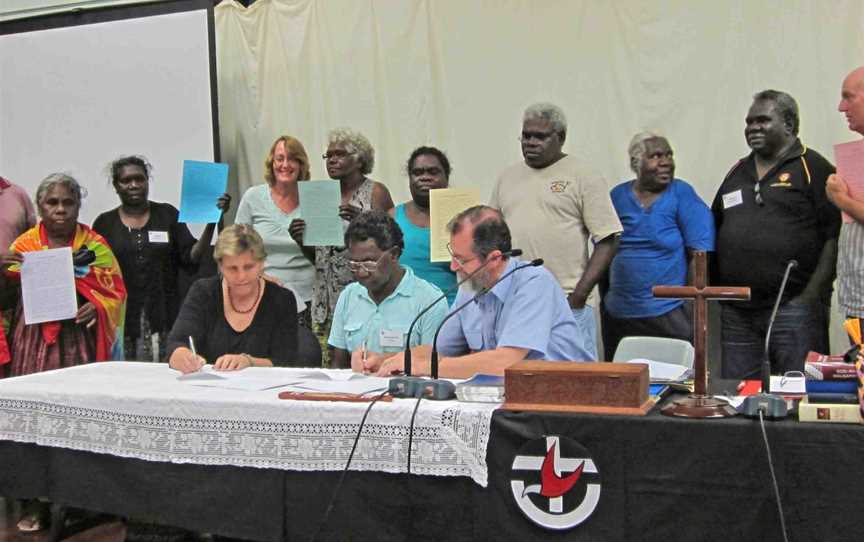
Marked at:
<point>428,168</point>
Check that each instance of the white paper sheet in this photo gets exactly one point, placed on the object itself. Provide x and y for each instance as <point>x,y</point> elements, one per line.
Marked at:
<point>48,286</point>
<point>662,372</point>
<point>251,379</point>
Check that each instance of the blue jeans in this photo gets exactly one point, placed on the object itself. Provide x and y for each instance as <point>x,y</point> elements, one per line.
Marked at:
<point>587,326</point>
<point>798,329</point>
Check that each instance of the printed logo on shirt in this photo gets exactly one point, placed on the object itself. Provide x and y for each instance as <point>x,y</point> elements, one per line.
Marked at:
<point>783,181</point>
<point>558,187</point>
<point>569,482</point>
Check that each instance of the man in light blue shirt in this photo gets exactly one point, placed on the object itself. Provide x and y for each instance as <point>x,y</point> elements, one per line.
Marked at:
<point>525,316</point>
<point>373,314</point>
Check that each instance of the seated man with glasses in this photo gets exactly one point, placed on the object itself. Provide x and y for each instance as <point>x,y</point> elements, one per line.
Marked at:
<point>525,316</point>
<point>373,314</point>
<point>771,208</point>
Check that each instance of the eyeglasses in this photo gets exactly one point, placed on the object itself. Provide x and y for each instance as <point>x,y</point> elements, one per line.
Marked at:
<point>460,262</point>
<point>367,266</point>
<point>336,154</point>
<point>757,195</point>
<point>431,171</point>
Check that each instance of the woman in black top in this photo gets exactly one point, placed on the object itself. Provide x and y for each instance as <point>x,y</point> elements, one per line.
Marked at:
<point>151,247</point>
<point>236,320</point>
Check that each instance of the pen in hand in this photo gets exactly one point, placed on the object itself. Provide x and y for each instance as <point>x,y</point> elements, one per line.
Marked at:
<point>192,348</point>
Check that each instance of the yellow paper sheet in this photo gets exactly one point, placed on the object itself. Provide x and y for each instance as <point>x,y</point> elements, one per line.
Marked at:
<point>444,204</point>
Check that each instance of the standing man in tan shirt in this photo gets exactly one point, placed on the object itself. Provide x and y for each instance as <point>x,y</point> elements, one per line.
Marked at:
<point>554,203</point>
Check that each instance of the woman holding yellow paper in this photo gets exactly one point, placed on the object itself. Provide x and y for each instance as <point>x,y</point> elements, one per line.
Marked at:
<point>428,169</point>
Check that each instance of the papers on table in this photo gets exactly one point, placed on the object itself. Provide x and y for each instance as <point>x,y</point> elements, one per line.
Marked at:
<point>268,378</point>
<point>251,379</point>
<point>849,158</point>
<point>203,184</point>
<point>48,286</point>
<point>663,372</point>
<point>341,382</point>
<point>319,207</point>
<point>444,204</point>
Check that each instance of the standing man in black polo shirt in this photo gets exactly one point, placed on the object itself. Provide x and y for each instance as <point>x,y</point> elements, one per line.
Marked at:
<point>772,208</point>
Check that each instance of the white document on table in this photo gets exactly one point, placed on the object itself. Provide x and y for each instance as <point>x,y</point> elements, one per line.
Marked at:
<point>250,379</point>
<point>48,286</point>
<point>663,372</point>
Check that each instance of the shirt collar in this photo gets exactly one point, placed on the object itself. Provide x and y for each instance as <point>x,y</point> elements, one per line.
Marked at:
<point>796,150</point>
<point>404,288</point>
<point>502,289</point>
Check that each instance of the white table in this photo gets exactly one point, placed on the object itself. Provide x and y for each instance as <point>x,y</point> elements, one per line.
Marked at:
<point>141,410</point>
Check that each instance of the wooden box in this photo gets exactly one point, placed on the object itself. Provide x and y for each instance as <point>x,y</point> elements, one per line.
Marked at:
<point>561,386</point>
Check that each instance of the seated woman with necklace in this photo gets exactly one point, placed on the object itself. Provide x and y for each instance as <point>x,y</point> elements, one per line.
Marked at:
<point>237,319</point>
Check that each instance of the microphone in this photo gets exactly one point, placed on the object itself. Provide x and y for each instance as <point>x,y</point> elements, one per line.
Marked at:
<point>771,406</point>
<point>481,293</point>
<point>766,360</point>
<point>506,253</point>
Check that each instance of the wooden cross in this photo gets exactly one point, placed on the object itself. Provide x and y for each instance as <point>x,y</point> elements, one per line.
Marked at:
<point>700,404</point>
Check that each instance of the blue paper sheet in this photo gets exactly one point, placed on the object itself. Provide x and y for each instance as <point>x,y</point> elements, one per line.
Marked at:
<point>203,184</point>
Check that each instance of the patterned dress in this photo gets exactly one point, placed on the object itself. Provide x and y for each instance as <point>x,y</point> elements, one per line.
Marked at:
<point>332,273</point>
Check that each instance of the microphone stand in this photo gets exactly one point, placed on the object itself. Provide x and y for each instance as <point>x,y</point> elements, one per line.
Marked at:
<point>481,293</point>
<point>771,405</point>
<point>513,252</point>
<point>413,386</point>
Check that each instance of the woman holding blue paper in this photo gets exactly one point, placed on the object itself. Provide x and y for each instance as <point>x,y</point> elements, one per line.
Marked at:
<point>151,247</point>
<point>270,208</point>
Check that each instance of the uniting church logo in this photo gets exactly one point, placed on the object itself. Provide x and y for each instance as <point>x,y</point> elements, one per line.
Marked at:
<point>555,482</point>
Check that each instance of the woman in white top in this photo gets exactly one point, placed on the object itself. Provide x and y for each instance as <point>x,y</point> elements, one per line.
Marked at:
<point>270,208</point>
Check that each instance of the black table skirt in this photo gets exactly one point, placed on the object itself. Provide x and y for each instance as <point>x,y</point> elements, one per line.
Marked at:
<point>661,479</point>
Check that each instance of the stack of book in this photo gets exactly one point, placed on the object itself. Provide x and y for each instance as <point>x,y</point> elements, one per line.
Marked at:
<point>481,389</point>
<point>832,390</point>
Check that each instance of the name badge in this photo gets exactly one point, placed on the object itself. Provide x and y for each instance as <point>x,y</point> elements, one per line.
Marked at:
<point>392,338</point>
<point>158,236</point>
<point>732,199</point>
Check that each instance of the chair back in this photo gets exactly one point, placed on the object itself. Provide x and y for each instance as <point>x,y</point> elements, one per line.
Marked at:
<point>656,349</point>
<point>308,348</point>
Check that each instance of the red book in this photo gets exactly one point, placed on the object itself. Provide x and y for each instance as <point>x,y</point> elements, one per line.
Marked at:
<point>823,367</point>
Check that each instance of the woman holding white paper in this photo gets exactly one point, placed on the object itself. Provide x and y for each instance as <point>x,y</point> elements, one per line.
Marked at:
<point>95,333</point>
<point>349,159</point>
<point>151,246</point>
<point>270,208</point>
<point>238,319</point>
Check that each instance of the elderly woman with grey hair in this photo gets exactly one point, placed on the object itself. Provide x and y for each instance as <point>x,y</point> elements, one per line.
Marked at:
<point>349,159</point>
<point>664,221</point>
<point>95,332</point>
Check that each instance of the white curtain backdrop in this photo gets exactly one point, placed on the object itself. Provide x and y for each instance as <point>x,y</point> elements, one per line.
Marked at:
<point>458,74</point>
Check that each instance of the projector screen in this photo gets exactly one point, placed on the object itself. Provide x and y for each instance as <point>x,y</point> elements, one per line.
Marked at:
<point>81,89</point>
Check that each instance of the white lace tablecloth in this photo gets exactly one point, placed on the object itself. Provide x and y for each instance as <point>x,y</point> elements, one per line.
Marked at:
<point>141,410</point>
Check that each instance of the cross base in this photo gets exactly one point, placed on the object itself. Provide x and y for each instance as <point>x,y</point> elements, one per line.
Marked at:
<point>699,406</point>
